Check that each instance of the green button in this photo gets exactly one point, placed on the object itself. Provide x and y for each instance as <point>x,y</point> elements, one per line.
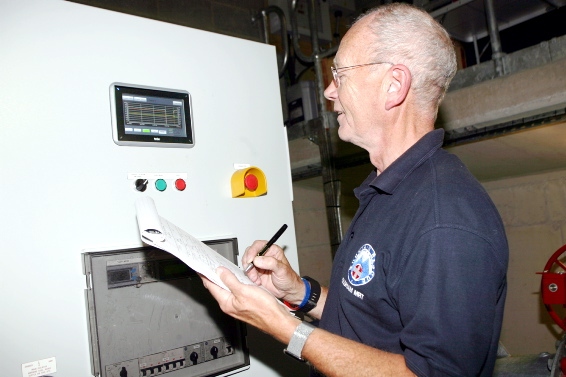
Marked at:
<point>146,130</point>
<point>160,184</point>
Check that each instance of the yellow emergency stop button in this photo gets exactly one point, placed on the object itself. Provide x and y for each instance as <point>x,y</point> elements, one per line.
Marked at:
<point>249,182</point>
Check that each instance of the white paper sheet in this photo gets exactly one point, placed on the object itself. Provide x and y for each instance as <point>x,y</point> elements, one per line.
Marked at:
<point>158,232</point>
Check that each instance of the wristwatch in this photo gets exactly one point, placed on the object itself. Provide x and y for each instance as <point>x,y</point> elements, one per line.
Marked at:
<point>312,295</point>
<point>298,340</point>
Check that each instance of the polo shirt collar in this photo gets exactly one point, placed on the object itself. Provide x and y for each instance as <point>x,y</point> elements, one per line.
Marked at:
<point>413,157</point>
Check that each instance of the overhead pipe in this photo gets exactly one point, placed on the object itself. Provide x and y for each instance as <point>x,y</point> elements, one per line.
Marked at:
<point>497,54</point>
<point>476,51</point>
<point>264,13</point>
<point>295,34</point>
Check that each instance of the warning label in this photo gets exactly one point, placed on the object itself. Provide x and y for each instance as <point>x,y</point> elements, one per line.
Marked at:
<point>39,368</point>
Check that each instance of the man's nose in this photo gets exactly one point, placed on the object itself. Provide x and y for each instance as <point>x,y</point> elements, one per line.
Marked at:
<point>330,93</point>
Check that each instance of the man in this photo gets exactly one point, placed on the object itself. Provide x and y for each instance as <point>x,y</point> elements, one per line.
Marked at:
<point>418,285</point>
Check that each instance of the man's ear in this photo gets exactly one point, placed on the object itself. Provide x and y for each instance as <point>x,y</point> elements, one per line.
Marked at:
<point>399,84</point>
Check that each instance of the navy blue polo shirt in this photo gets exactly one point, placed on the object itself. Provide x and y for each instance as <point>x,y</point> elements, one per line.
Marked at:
<point>422,268</point>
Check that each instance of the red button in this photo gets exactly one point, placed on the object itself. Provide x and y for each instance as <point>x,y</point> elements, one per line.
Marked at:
<point>251,182</point>
<point>180,184</point>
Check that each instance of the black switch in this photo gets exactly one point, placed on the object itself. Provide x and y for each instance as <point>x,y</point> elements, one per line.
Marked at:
<point>194,358</point>
<point>214,352</point>
<point>141,184</point>
<point>123,372</point>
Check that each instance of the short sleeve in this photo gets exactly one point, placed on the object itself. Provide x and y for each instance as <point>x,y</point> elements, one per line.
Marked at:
<point>450,295</point>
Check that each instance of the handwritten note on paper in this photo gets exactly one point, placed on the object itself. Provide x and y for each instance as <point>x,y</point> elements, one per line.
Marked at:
<point>158,232</point>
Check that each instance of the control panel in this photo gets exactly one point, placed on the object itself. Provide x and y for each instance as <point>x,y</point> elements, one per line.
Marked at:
<point>149,314</point>
<point>172,360</point>
<point>161,182</point>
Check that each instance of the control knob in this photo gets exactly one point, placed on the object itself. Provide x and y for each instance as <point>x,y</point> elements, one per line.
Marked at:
<point>194,358</point>
<point>141,184</point>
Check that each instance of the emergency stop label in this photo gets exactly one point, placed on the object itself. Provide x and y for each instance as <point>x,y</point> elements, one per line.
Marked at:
<point>39,368</point>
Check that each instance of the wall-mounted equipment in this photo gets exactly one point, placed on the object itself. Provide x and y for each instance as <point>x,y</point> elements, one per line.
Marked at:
<point>102,116</point>
<point>553,286</point>
<point>149,314</point>
<point>553,292</point>
<point>301,102</point>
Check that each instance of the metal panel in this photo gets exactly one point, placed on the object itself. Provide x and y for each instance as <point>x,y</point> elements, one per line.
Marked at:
<point>65,184</point>
<point>159,320</point>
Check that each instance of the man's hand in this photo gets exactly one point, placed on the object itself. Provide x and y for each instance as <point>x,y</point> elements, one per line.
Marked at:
<point>273,272</point>
<point>252,305</point>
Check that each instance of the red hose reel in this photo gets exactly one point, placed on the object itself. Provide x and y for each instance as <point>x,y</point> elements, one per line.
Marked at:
<point>553,285</point>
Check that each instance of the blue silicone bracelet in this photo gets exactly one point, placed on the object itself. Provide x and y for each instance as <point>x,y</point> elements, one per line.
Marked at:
<point>307,293</point>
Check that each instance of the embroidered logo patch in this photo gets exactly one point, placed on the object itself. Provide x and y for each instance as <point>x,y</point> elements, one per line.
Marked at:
<point>362,269</point>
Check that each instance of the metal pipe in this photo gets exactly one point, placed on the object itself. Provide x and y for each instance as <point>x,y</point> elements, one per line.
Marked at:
<point>476,51</point>
<point>313,12</point>
<point>331,183</point>
<point>283,31</point>
<point>295,37</point>
<point>497,54</point>
<point>321,126</point>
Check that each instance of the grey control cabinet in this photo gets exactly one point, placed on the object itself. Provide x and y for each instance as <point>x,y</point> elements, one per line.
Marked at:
<point>149,314</point>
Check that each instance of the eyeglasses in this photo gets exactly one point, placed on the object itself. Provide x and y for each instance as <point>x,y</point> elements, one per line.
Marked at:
<point>335,70</point>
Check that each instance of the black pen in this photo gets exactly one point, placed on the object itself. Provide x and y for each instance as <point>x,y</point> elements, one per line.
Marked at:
<point>267,246</point>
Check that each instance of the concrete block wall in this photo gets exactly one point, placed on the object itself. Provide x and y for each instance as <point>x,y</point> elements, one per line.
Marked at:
<point>309,208</point>
<point>533,209</point>
<point>311,229</point>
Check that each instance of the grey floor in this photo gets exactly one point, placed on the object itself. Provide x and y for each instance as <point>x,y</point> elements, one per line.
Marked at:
<point>524,366</point>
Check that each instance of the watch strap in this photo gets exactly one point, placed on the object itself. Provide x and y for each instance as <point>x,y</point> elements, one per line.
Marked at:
<point>314,295</point>
<point>298,340</point>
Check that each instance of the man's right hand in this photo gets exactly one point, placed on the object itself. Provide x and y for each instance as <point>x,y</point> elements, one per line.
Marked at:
<point>273,272</point>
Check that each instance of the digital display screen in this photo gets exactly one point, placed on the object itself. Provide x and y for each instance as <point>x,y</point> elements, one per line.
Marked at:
<point>117,276</point>
<point>145,116</point>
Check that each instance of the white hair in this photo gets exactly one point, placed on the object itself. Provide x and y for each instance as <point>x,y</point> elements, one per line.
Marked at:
<point>408,35</point>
